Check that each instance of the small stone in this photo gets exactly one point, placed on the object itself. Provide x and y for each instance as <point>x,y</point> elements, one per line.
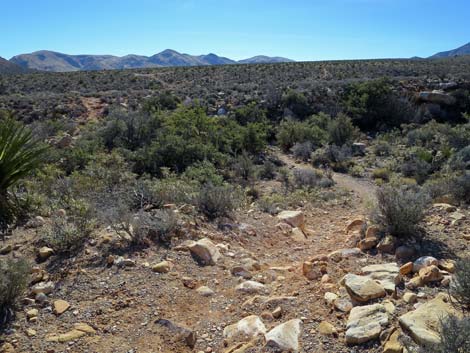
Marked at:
<point>252,287</point>
<point>45,253</point>
<point>310,271</point>
<point>327,329</point>
<point>277,313</point>
<point>414,283</point>
<point>344,305</point>
<point>32,313</point>
<point>393,344</point>
<point>43,287</point>
<point>205,291</point>
<point>31,332</point>
<point>84,327</point>
<point>330,298</point>
<point>410,297</point>
<point>60,306</point>
<point>387,244</point>
<point>355,225</point>
<point>162,267</point>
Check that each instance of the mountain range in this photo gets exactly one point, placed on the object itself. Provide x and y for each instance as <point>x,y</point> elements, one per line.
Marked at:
<point>52,61</point>
<point>463,50</point>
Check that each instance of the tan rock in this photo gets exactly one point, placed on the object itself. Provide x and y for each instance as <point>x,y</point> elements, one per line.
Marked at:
<point>424,261</point>
<point>393,344</point>
<point>205,291</point>
<point>245,329</point>
<point>367,243</point>
<point>310,271</point>
<point>430,274</point>
<point>296,219</point>
<point>205,252</point>
<point>162,267</point>
<point>66,337</point>
<point>355,225</point>
<point>410,297</point>
<point>387,244</point>
<point>327,329</point>
<point>447,265</point>
<point>424,322</point>
<point>285,337</point>
<point>365,323</point>
<point>406,269</point>
<point>251,287</point>
<point>45,253</point>
<point>60,306</point>
<point>388,275</point>
<point>32,313</point>
<point>372,232</point>
<point>80,326</point>
<point>298,235</point>
<point>362,288</point>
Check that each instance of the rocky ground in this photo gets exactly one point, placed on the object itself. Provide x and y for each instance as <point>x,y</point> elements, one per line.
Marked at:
<point>314,279</point>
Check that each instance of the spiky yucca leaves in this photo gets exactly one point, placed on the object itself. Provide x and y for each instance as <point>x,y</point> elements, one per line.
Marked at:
<point>20,154</point>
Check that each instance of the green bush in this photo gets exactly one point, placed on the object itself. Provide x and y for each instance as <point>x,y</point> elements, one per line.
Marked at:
<point>158,226</point>
<point>400,209</point>
<point>332,156</point>
<point>14,276</point>
<point>291,132</point>
<point>267,171</point>
<point>302,150</point>
<point>308,178</point>
<point>296,103</point>
<point>454,337</point>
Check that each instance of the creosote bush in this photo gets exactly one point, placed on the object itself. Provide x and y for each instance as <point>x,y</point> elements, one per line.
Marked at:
<point>461,284</point>
<point>400,209</point>
<point>13,282</point>
<point>216,201</point>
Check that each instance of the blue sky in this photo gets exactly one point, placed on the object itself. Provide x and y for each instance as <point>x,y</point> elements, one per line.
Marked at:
<point>298,29</point>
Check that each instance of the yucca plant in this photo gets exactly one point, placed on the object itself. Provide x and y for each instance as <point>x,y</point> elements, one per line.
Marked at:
<point>20,154</point>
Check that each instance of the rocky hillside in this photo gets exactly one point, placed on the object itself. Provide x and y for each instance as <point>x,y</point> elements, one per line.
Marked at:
<point>53,61</point>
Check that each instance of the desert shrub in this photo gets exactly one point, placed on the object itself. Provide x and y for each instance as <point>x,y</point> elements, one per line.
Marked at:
<point>243,168</point>
<point>67,234</point>
<point>271,204</point>
<point>267,171</point>
<point>341,130</point>
<point>460,288</point>
<point>382,148</point>
<point>163,101</point>
<point>400,209</point>
<point>415,167</point>
<point>20,154</point>
<point>254,138</point>
<point>460,160</point>
<point>13,282</point>
<point>338,158</point>
<point>158,226</point>
<point>216,201</point>
<point>308,178</point>
<point>381,173</point>
<point>460,187</point>
<point>357,171</point>
<point>302,150</point>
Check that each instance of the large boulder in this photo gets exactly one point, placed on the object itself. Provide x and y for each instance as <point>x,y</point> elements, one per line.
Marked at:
<point>365,323</point>
<point>388,275</point>
<point>285,337</point>
<point>362,288</point>
<point>245,329</point>
<point>424,322</point>
<point>205,252</point>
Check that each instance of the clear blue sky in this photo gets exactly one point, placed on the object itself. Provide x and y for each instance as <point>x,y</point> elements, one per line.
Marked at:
<point>298,29</point>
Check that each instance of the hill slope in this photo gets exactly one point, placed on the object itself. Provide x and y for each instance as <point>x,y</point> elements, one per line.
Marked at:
<point>463,50</point>
<point>52,61</point>
<point>7,67</point>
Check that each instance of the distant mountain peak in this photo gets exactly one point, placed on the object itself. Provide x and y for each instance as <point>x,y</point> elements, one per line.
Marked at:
<point>46,60</point>
<point>463,50</point>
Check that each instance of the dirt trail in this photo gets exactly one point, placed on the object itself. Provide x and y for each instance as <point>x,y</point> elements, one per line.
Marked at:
<point>363,188</point>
